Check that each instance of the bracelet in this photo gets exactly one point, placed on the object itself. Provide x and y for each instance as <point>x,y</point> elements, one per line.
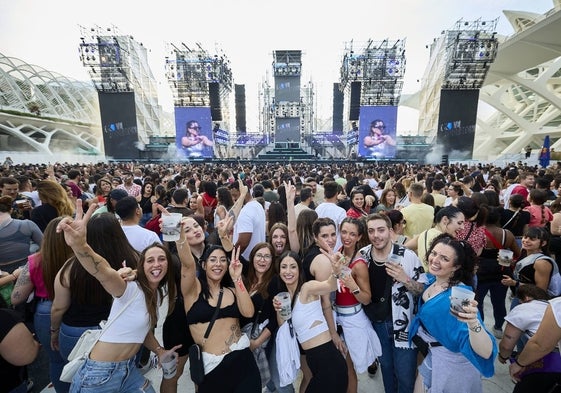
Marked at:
<point>503,358</point>
<point>356,291</point>
<point>14,276</point>
<point>53,330</point>
<point>516,361</point>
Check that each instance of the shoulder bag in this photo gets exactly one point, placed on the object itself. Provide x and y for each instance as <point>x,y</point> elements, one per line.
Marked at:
<point>196,364</point>
<point>84,346</point>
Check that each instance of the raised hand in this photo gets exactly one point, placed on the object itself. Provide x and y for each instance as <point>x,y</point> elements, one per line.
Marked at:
<point>74,229</point>
<point>235,267</point>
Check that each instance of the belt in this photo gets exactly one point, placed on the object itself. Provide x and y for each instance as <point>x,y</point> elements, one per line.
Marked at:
<point>348,310</point>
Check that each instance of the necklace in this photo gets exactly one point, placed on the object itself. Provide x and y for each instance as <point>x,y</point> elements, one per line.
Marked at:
<point>434,290</point>
<point>379,263</point>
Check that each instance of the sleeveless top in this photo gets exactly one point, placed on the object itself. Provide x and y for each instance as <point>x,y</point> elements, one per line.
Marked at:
<point>313,252</point>
<point>201,311</point>
<point>36,276</point>
<point>306,314</point>
<point>344,296</point>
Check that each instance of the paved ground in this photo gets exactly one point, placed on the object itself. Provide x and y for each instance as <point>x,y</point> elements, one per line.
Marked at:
<point>499,383</point>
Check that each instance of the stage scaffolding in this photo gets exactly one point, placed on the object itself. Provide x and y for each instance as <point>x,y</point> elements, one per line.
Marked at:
<point>117,63</point>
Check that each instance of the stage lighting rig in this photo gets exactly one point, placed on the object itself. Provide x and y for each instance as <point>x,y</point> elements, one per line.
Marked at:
<point>471,47</point>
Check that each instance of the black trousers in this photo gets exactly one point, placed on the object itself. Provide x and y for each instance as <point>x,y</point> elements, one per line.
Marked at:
<point>236,373</point>
<point>329,369</point>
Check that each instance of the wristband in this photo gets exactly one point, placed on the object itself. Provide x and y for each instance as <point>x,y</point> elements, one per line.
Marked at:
<point>516,361</point>
<point>503,358</point>
<point>356,291</point>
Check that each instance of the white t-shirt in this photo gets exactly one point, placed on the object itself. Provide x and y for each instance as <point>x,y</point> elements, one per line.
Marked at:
<point>133,324</point>
<point>139,237</point>
<point>250,220</point>
<point>527,316</point>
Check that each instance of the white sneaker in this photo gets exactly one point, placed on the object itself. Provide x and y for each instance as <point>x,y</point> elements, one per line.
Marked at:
<point>498,333</point>
<point>150,364</point>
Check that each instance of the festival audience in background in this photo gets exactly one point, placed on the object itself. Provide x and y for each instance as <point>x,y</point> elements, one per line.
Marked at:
<point>492,208</point>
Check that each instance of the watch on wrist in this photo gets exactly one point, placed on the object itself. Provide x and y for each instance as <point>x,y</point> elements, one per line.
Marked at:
<point>476,328</point>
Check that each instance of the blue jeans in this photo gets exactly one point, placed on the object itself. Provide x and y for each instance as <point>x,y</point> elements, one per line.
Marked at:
<point>498,297</point>
<point>68,336</point>
<point>144,219</point>
<point>42,324</point>
<point>398,365</point>
<point>274,383</point>
<point>100,377</point>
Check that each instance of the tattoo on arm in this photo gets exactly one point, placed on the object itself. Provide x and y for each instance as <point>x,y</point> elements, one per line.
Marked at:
<point>416,288</point>
<point>87,257</point>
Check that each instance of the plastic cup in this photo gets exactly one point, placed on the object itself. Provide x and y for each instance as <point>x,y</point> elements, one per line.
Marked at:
<point>346,271</point>
<point>505,257</point>
<point>21,202</point>
<point>286,308</point>
<point>394,258</point>
<point>459,298</point>
<point>169,365</point>
<point>171,226</point>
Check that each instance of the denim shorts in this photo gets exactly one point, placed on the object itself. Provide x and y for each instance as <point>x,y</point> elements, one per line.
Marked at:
<point>98,377</point>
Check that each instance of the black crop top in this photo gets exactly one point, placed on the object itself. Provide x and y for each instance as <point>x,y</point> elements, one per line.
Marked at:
<point>201,311</point>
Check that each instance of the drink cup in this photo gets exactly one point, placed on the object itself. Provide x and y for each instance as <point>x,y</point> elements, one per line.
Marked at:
<point>171,226</point>
<point>286,308</point>
<point>393,258</point>
<point>169,365</point>
<point>346,272</point>
<point>505,257</point>
<point>459,298</point>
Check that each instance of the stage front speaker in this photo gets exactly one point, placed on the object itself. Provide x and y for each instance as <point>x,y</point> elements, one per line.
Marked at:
<point>338,98</point>
<point>239,91</point>
<point>214,96</point>
<point>354,111</point>
<point>444,160</point>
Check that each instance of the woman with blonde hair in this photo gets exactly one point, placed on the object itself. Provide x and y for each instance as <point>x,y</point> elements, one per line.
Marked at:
<point>54,203</point>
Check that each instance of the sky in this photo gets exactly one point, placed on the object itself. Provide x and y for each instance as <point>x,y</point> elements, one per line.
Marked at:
<point>47,34</point>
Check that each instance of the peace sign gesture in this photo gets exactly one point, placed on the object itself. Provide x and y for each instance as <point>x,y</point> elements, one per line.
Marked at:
<point>235,267</point>
<point>74,229</point>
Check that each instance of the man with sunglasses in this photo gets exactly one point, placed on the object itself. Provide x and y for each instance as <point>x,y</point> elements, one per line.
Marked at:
<point>378,143</point>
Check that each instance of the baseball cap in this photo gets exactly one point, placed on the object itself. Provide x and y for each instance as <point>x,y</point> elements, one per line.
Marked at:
<point>118,194</point>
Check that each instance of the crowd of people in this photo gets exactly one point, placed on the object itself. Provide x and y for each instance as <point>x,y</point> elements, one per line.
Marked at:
<point>369,254</point>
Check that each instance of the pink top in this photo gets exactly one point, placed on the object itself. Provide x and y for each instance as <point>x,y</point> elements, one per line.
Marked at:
<point>36,275</point>
<point>539,215</point>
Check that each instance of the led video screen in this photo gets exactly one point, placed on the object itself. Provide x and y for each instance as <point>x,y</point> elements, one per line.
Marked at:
<point>193,132</point>
<point>377,132</point>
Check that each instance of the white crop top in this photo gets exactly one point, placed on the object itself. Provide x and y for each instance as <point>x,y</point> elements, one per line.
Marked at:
<point>133,324</point>
<point>305,318</point>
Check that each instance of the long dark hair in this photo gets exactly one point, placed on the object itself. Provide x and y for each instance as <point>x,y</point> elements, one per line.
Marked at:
<point>106,237</point>
<point>252,275</point>
<point>168,281</point>
<point>226,280</point>
<point>298,260</point>
<point>465,258</point>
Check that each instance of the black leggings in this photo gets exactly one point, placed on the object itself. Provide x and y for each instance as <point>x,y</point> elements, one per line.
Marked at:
<point>539,382</point>
<point>236,373</point>
<point>329,369</point>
